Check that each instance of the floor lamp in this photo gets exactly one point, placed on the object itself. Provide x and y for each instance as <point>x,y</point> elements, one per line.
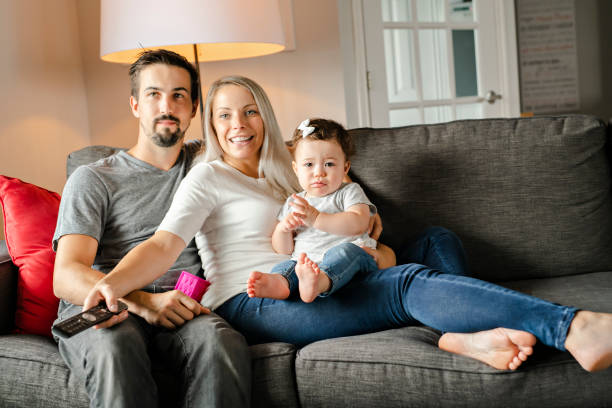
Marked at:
<point>200,30</point>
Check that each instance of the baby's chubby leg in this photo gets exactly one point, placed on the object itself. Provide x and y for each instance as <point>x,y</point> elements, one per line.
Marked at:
<point>313,281</point>
<point>267,285</point>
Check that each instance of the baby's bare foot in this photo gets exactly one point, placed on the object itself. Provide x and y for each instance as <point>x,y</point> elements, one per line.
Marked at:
<point>313,282</point>
<point>267,285</point>
<point>504,349</point>
<point>589,340</point>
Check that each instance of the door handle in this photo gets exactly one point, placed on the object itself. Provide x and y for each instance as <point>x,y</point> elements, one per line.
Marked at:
<point>492,96</point>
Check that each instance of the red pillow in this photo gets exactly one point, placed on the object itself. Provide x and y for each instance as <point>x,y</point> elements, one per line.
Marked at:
<point>30,214</point>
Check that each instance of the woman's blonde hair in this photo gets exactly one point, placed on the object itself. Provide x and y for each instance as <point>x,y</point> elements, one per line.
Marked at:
<point>274,159</point>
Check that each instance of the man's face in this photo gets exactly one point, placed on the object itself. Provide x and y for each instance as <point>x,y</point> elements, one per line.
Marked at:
<point>164,104</point>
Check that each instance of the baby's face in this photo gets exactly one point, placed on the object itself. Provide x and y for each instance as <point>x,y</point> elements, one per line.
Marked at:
<point>320,166</point>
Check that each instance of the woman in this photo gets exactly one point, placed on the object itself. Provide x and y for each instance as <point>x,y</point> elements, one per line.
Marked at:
<point>229,202</point>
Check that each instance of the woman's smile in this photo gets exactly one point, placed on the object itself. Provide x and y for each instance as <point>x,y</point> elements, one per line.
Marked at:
<point>241,139</point>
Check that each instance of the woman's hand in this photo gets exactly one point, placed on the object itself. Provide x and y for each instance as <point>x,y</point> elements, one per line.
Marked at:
<point>305,211</point>
<point>383,256</point>
<point>375,228</point>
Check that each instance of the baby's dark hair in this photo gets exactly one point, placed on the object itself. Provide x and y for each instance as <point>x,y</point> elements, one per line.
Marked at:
<point>324,129</point>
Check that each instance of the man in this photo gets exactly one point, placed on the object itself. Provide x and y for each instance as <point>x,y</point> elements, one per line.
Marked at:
<point>109,207</point>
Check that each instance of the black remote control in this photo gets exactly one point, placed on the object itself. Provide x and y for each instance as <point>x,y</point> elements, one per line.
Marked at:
<point>84,320</point>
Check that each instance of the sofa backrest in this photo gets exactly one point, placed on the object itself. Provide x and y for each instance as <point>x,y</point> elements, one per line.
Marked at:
<point>88,154</point>
<point>530,197</point>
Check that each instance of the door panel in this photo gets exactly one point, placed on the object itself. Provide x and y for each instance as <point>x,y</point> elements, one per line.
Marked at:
<point>430,61</point>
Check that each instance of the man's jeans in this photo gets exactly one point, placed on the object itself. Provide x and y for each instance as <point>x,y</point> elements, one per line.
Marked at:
<point>207,358</point>
<point>395,297</point>
<point>339,263</point>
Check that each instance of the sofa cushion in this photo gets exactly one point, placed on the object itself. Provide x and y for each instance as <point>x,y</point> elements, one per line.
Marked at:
<point>589,291</point>
<point>30,214</point>
<point>404,367</point>
<point>529,197</point>
<point>34,374</point>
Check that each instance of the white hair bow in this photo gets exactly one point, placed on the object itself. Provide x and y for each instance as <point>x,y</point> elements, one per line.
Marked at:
<point>306,130</point>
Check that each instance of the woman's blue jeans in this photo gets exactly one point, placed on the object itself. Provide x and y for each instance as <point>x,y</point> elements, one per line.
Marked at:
<point>340,263</point>
<point>438,248</point>
<point>400,296</point>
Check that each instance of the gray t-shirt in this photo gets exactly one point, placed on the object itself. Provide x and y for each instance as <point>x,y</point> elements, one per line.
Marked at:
<point>315,242</point>
<point>120,201</point>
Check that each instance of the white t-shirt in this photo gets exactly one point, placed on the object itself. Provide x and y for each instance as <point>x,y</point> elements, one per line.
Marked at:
<point>232,217</point>
<point>315,243</point>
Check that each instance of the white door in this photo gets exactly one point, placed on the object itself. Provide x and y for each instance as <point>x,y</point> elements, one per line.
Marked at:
<point>430,61</point>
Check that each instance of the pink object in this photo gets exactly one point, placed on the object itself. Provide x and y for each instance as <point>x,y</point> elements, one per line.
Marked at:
<point>191,285</point>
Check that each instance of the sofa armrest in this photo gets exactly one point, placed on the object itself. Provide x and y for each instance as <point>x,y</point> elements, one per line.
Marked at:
<point>8,290</point>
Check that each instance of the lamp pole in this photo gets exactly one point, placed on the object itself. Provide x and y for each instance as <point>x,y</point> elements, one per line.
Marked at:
<point>201,104</point>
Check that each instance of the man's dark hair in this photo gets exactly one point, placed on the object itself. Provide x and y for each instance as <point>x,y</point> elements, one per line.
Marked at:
<point>150,57</point>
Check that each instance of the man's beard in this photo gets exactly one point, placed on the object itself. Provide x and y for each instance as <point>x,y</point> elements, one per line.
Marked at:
<point>164,137</point>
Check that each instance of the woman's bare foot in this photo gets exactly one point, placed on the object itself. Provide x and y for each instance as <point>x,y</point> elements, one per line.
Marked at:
<point>589,340</point>
<point>313,282</point>
<point>267,285</point>
<point>504,349</point>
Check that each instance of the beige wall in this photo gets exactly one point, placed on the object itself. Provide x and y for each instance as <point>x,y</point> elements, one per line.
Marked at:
<point>107,85</point>
<point>44,114</point>
<point>59,96</point>
<point>300,83</point>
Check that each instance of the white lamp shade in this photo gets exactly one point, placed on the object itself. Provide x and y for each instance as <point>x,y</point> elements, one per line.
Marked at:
<point>222,29</point>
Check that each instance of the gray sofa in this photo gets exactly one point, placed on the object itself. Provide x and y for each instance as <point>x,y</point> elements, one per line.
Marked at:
<point>531,200</point>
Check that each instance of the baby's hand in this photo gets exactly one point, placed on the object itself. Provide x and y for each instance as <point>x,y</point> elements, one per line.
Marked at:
<point>291,222</point>
<point>305,211</point>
